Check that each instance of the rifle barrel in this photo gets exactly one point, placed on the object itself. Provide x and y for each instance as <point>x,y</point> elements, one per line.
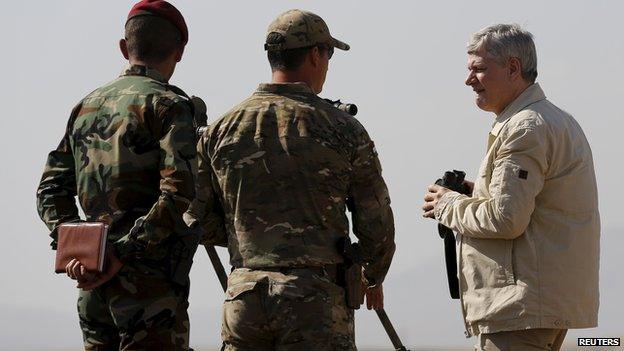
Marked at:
<point>392,334</point>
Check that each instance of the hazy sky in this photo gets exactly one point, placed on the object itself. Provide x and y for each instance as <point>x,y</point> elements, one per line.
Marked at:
<point>405,71</point>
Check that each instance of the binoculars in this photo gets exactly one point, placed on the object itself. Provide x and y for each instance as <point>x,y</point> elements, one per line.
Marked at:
<point>454,181</point>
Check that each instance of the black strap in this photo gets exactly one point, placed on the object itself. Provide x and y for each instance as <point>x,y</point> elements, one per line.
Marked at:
<point>450,257</point>
<point>178,91</point>
<point>273,47</point>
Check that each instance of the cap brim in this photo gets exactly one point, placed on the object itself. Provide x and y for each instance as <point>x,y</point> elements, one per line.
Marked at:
<point>339,44</point>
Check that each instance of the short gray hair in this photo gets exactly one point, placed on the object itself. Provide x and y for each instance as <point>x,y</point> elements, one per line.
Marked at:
<point>504,41</point>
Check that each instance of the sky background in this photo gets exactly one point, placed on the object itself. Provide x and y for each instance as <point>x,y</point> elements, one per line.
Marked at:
<point>405,71</point>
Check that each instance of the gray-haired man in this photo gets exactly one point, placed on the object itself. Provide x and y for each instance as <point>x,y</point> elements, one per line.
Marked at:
<point>529,234</point>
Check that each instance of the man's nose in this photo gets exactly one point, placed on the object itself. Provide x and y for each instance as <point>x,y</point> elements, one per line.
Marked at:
<point>470,78</point>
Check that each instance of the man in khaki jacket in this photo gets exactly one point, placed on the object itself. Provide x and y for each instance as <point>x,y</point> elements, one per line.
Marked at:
<point>529,234</point>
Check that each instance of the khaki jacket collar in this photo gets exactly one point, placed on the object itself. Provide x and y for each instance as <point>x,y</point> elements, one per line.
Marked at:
<point>282,88</point>
<point>530,95</point>
<point>137,70</point>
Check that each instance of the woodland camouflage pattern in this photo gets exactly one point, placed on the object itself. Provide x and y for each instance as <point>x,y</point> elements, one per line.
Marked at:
<point>139,309</point>
<point>282,165</point>
<point>129,155</point>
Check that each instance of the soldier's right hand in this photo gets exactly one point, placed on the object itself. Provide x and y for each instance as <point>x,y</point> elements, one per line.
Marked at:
<point>374,297</point>
<point>113,267</point>
<point>76,271</point>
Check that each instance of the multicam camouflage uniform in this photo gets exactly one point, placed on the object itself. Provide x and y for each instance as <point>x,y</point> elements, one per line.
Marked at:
<point>282,165</point>
<point>129,155</point>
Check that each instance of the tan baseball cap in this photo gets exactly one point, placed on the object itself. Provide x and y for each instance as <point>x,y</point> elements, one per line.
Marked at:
<point>300,29</point>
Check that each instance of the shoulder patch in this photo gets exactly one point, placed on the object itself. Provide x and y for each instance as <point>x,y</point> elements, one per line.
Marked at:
<point>523,174</point>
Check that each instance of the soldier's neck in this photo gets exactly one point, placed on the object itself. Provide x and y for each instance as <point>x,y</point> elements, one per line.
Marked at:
<point>164,68</point>
<point>291,77</point>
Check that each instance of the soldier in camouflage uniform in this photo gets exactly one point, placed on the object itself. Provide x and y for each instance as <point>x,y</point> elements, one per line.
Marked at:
<point>129,155</point>
<point>281,167</point>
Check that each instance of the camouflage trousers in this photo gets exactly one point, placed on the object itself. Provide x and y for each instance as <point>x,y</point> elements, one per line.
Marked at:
<point>139,309</point>
<point>293,309</point>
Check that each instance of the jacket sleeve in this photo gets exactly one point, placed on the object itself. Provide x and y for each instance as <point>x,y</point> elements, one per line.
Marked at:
<point>177,169</point>
<point>517,178</point>
<point>56,202</point>
<point>205,212</point>
<point>373,223</point>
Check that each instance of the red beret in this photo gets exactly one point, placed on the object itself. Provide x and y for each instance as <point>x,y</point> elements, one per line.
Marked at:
<point>162,9</point>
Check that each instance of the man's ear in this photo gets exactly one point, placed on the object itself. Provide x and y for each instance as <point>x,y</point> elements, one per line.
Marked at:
<point>314,56</point>
<point>179,54</point>
<point>515,68</point>
<point>123,46</point>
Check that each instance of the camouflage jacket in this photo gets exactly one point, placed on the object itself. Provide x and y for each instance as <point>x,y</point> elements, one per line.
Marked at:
<point>282,165</point>
<point>129,155</point>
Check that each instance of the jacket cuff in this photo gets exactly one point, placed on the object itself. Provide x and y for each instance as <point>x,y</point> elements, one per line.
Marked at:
<point>446,201</point>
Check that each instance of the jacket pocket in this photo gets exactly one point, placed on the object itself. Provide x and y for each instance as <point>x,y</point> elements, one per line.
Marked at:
<point>235,291</point>
<point>487,263</point>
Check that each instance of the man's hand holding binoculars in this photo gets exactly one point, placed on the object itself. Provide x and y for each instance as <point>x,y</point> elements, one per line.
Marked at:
<point>436,191</point>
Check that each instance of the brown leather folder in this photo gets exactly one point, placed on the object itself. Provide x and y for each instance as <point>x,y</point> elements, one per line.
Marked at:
<point>84,241</point>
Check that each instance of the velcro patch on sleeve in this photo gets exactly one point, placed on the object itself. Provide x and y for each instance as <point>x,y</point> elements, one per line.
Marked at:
<point>523,174</point>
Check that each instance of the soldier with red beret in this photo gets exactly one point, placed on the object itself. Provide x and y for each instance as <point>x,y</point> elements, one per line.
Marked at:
<point>129,155</point>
